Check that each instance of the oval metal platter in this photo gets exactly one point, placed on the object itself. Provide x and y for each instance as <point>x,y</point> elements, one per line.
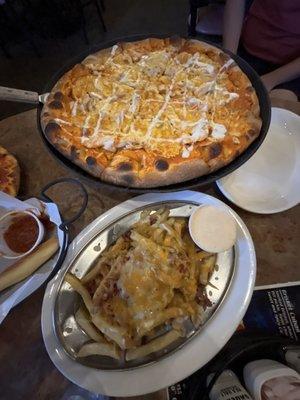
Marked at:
<point>70,334</point>
<point>64,337</point>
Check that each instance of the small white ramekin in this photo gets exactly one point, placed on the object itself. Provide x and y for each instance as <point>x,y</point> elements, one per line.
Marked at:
<point>5,222</point>
<point>217,247</point>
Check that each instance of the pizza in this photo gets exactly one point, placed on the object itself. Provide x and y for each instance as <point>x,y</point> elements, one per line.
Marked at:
<point>9,173</point>
<point>153,112</point>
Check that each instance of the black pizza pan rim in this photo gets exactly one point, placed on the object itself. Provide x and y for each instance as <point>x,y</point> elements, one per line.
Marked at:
<point>265,114</point>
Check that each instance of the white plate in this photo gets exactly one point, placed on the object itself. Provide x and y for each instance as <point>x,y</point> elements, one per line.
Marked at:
<point>186,360</point>
<point>270,181</point>
<point>14,295</point>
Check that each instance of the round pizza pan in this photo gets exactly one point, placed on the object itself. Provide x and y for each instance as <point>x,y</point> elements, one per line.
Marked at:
<point>265,114</point>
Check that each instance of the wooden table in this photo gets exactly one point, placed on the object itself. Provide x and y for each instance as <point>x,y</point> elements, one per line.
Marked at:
<point>26,371</point>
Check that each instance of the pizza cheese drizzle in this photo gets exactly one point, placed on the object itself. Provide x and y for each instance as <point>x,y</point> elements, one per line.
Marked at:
<point>156,118</point>
<point>133,131</point>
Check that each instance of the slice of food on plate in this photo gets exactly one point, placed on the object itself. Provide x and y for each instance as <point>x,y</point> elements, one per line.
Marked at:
<point>29,237</point>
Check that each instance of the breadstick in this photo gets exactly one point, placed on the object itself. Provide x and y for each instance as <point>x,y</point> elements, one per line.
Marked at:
<point>30,263</point>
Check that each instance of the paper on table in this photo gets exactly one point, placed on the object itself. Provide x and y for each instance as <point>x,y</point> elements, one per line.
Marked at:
<point>15,294</point>
<point>9,203</point>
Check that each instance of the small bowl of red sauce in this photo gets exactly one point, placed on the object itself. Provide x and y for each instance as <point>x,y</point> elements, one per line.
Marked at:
<point>20,233</point>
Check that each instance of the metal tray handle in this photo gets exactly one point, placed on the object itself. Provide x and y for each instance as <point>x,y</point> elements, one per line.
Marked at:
<point>44,197</point>
<point>65,223</point>
<point>22,96</point>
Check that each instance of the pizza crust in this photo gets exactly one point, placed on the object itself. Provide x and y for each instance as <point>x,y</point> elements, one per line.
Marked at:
<point>174,174</point>
<point>135,172</point>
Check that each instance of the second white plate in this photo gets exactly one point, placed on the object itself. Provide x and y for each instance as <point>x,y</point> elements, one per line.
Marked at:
<point>270,181</point>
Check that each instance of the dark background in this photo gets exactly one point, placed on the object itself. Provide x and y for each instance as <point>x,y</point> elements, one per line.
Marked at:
<point>56,28</point>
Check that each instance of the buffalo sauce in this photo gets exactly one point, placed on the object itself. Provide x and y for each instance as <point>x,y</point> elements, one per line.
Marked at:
<point>22,233</point>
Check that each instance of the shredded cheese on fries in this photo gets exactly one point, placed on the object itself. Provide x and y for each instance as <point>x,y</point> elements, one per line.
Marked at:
<point>148,280</point>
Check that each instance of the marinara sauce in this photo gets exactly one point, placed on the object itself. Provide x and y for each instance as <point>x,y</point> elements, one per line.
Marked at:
<point>22,233</point>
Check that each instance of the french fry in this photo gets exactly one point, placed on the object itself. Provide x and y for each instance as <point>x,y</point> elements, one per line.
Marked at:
<point>153,346</point>
<point>99,349</point>
<point>83,319</point>
<point>206,268</point>
<point>152,247</point>
<point>81,290</point>
<point>106,281</point>
<point>179,226</point>
<point>29,264</point>
<point>95,271</point>
<point>115,333</point>
<point>115,249</point>
<point>203,254</point>
<point>158,235</point>
<point>148,278</point>
<point>159,319</point>
<point>173,234</point>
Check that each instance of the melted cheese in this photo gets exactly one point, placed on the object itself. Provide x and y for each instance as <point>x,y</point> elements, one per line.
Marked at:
<point>227,64</point>
<point>148,283</point>
<point>74,108</point>
<point>148,101</point>
<point>108,144</point>
<point>224,96</point>
<point>120,117</point>
<point>218,131</point>
<point>200,131</point>
<point>62,121</point>
<point>114,49</point>
<point>134,103</point>
<point>195,62</point>
<point>147,295</point>
<point>95,95</point>
<point>186,152</point>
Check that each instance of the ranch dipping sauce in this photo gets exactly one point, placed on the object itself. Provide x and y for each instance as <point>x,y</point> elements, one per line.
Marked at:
<point>22,233</point>
<point>212,228</point>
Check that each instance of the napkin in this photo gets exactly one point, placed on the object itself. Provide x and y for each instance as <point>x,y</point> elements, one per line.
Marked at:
<point>13,295</point>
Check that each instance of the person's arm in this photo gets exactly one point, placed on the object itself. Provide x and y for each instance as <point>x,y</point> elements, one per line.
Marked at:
<point>282,74</point>
<point>232,23</point>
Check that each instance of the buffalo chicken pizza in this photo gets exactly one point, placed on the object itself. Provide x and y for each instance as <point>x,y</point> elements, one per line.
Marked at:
<point>153,112</point>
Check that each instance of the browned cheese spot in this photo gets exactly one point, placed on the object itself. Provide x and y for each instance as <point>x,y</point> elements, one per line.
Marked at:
<point>215,150</point>
<point>58,96</point>
<point>161,165</point>
<point>55,105</point>
<point>51,128</point>
<point>90,161</point>
<point>125,166</point>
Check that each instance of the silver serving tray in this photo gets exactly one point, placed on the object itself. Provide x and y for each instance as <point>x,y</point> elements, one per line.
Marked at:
<point>67,301</point>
